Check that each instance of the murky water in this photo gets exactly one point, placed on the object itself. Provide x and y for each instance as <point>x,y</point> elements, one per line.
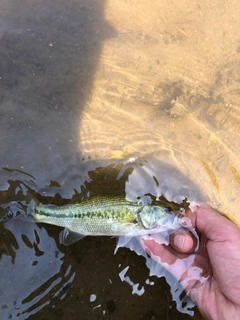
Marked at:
<point>117,97</point>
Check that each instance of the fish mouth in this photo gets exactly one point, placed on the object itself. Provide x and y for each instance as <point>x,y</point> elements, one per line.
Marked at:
<point>181,213</point>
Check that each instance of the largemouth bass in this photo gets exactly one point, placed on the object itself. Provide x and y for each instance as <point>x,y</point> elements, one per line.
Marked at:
<point>110,216</point>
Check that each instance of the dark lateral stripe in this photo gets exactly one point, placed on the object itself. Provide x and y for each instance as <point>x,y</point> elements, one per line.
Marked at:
<point>105,214</point>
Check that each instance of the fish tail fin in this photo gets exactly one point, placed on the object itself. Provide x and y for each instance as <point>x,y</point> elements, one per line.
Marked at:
<point>17,209</point>
<point>23,204</point>
<point>26,202</point>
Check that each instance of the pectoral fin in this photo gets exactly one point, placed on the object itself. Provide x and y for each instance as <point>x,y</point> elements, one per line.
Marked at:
<point>122,241</point>
<point>68,237</point>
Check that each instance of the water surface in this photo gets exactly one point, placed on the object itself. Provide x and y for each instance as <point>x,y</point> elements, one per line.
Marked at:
<point>119,97</point>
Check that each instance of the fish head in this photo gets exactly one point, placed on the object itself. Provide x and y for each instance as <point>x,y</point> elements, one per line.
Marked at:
<point>157,217</point>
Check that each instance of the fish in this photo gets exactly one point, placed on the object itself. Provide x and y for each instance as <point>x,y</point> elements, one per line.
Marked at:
<point>108,216</point>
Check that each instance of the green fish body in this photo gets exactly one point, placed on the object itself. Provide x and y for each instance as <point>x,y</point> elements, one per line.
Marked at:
<point>110,216</point>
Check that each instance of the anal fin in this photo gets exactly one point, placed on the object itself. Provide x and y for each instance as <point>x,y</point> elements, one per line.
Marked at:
<point>68,237</point>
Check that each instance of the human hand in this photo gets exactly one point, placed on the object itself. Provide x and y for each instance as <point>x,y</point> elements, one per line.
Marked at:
<point>211,275</point>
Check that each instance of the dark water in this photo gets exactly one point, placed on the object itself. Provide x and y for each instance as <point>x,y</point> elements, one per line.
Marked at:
<point>49,52</point>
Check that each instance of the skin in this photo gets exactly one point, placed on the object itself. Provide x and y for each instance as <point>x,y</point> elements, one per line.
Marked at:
<point>216,290</point>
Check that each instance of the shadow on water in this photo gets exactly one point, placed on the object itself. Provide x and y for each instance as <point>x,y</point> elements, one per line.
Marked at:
<point>49,52</point>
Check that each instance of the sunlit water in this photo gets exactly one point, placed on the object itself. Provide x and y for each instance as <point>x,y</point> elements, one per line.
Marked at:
<point>118,97</point>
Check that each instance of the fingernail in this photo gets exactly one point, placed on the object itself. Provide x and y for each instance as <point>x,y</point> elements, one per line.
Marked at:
<point>192,293</point>
<point>179,240</point>
<point>148,252</point>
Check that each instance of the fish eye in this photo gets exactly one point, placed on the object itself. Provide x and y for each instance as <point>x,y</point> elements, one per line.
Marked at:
<point>168,209</point>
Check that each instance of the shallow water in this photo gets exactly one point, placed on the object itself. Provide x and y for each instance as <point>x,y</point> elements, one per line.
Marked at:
<point>117,97</point>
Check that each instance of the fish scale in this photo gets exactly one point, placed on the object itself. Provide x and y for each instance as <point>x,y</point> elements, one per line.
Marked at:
<point>92,216</point>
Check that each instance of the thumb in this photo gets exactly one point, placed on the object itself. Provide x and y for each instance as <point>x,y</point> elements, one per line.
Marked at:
<point>183,241</point>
